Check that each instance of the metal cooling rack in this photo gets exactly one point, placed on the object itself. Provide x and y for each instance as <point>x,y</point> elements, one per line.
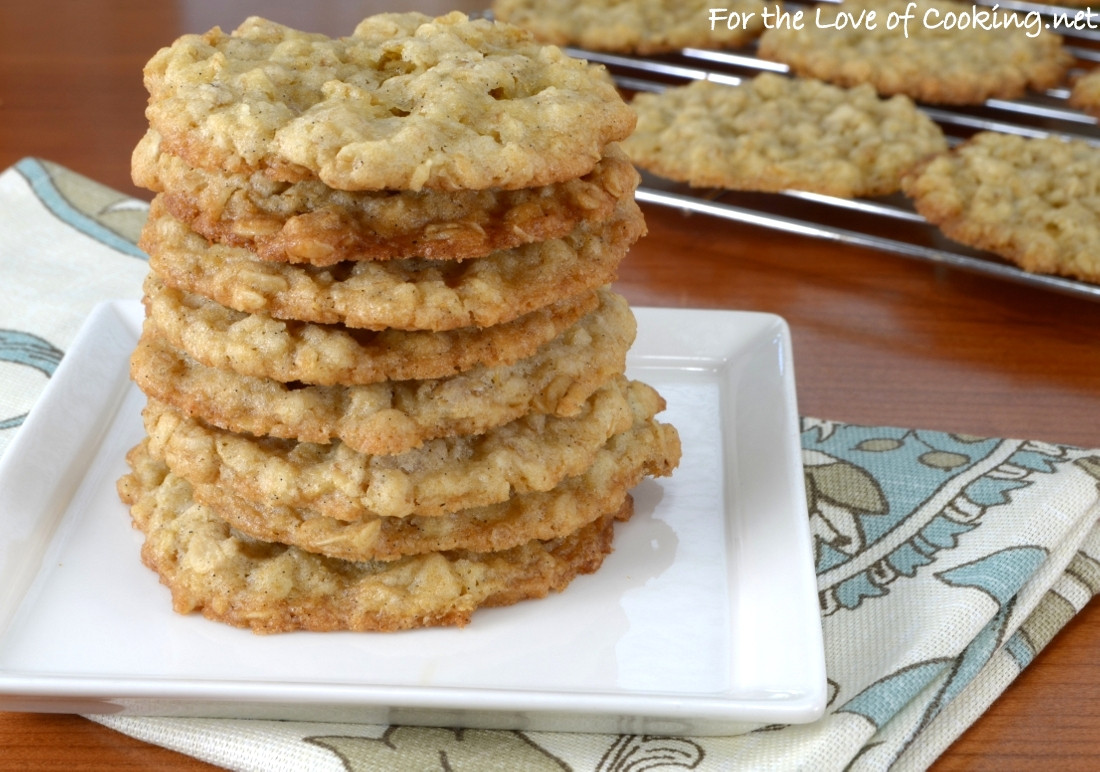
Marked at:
<point>889,224</point>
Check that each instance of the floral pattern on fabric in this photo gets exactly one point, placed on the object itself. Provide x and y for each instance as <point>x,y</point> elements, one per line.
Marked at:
<point>71,270</point>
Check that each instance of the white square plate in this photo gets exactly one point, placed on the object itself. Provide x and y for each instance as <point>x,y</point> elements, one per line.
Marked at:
<point>704,620</point>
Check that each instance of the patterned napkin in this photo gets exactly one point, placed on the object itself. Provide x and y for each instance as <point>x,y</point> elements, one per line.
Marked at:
<point>945,562</point>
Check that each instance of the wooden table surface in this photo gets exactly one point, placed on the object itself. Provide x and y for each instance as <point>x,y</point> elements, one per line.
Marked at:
<point>877,338</point>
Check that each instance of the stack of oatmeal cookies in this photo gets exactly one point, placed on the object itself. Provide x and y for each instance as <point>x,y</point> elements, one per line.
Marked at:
<point>384,367</point>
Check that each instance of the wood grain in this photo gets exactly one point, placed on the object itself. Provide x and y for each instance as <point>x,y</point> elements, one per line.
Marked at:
<point>878,339</point>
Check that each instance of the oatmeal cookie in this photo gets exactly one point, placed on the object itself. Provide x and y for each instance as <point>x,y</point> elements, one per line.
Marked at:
<point>1033,201</point>
<point>326,355</point>
<point>1085,93</point>
<point>270,588</point>
<point>934,63</point>
<point>413,294</point>
<point>775,133</point>
<point>532,453</point>
<point>309,222</point>
<point>634,26</point>
<point>406,102</point>
<point>648,449</point>
<point>394,416</point>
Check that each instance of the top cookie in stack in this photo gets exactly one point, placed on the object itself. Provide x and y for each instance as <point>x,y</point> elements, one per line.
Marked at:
<point>384,367</point>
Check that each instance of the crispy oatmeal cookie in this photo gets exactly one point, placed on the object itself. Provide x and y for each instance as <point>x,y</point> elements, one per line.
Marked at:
<point>773,133</point>
<point>1034,202</point>
<point>406,102</point>
<point>532,453</point>
<point>648,449</point>
<point>413,294</point>
<point>270,588</point>
<point>933,63</point>
<point>1085,92</point>
<point>634,26</point>
<point>309,222</point>
<point>394,416</point>
<point>290,351</point>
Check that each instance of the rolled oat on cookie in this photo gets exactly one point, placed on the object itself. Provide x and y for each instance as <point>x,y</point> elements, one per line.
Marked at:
<point>644,450</point>
<point>394,416</point>
<point>534,452</point>
<point>405,102</point>
<point>405,294</point>
<point>308,222</point>
<point>291,350</point>
<point>272,588</point>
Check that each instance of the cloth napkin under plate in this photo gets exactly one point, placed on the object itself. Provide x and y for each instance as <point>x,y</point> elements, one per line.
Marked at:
<point>945,562</point>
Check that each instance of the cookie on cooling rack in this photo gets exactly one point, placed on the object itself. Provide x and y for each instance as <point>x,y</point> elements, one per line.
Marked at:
<point>635,26</point>
<point>930,61</point>
<point>773,133</point>
<point>1033,201</point>
<point>405,102</point>
<point>1085,93</point>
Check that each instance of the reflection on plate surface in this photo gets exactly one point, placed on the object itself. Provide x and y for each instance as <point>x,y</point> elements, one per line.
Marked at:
<point>677,633</point>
